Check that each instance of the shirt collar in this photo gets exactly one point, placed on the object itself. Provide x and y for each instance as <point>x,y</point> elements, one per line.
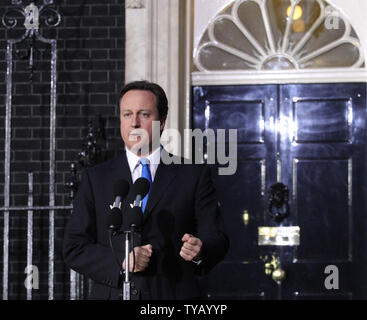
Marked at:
<point>133,160</point>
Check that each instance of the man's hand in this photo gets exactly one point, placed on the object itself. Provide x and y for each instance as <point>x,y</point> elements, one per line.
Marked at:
<point>142,257</point>
<point>191,247</point>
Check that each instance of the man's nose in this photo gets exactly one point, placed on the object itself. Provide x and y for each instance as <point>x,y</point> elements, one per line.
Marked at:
<point>135,121</point>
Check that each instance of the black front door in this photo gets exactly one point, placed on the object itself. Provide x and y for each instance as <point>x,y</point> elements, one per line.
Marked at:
<point>311,138</point>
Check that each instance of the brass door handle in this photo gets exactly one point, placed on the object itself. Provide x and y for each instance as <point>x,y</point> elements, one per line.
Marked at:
<point>278,275</point>
<point>245,217</point>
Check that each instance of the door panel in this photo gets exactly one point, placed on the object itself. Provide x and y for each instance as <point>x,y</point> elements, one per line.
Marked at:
<point>312,139</point>
<point>245,116</point>
<point>323,160</point>
<point>322,208</point>
<point>321,120</point>
<point>251,110</point>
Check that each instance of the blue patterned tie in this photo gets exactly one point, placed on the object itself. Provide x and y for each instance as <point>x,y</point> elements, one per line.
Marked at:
<point>145,173</point>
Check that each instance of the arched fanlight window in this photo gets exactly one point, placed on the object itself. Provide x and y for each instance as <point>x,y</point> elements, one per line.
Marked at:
<point>278,35</point>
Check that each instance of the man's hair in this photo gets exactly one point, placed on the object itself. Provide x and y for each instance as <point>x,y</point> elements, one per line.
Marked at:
<point>161,98</point>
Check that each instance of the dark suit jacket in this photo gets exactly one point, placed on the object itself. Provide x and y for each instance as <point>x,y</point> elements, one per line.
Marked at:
<point>182,200</point>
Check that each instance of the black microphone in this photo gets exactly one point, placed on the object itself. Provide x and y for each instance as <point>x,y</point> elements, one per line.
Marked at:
<point>120,190</point>
<point>135,215</point>
<point>140,189</point>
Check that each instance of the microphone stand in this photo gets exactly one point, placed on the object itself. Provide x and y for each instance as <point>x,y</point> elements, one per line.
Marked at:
<point>112,230</point>
<point>135,221</point>
<point>126,286</point>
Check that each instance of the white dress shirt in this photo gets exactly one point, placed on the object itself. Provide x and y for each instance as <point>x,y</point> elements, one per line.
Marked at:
<point>135,167</point>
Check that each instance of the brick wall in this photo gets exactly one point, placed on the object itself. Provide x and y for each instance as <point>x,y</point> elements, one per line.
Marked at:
<point>90,72</point>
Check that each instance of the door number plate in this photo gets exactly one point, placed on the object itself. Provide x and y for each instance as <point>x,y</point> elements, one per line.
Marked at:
<point>278,236</point>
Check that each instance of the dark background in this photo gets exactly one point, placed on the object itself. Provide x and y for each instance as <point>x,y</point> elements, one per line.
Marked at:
<point>90,73</point>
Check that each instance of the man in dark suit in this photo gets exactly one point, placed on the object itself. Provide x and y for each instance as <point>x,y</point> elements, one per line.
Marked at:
<point>182,233</point>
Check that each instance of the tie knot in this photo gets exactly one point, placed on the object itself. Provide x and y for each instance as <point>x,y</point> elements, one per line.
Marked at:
<point>144,161</point>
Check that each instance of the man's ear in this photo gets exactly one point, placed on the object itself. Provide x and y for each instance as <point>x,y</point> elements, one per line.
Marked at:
<point>162,123</point>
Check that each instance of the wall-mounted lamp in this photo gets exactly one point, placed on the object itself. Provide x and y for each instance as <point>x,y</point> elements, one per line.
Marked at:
<point>297,14</point>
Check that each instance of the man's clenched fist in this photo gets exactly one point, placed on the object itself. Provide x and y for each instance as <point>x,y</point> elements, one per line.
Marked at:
<point>191,247</point>
<point>142,257</point>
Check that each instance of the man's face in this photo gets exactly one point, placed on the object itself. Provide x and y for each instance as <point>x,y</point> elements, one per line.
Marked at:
<point>137,112</point>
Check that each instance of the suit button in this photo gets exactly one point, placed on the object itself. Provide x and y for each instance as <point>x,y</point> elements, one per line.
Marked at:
<point>134,292</point>
<point>132,285</point>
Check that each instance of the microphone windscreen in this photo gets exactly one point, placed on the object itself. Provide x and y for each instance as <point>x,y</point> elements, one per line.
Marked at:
<point>114,219</point>
<point>141,186</point>
<point>134,217</point>
<point>120,188</point>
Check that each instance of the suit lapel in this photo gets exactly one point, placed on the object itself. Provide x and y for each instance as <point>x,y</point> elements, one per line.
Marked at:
<point>164,175</point>
<point>121,170</point>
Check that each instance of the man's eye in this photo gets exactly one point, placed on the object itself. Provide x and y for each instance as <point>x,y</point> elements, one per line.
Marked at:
<point>146,115</point>
<point>126,115</point>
